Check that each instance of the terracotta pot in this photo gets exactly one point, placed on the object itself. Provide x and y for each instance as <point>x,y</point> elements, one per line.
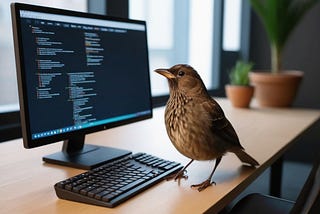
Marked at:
<point>240,96</point>
<point>276,90</point>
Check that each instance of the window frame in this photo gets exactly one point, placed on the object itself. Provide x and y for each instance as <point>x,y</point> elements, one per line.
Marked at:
<point>222,61</point>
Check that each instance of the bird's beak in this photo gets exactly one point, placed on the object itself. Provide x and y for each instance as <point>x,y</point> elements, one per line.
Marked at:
<point>165,72</point>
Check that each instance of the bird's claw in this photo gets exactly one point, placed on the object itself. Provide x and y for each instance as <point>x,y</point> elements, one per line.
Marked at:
<point>203,185</point>
<point>178,175</point>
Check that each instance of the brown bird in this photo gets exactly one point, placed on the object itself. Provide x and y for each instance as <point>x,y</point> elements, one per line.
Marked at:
<point>196,124</point>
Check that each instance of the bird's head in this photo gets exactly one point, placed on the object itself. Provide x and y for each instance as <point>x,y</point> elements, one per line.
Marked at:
<point>184,79</point>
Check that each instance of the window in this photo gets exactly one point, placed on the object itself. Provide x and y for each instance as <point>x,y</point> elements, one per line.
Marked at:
<point>231,25</point>
<point>189,31</point>
<point>181,34</point>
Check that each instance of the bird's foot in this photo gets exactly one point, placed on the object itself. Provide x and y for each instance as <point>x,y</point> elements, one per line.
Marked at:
<point>178,175</point>
<point>203,185</point>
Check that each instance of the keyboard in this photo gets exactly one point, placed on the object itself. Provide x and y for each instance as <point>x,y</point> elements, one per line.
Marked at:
<point>113,183</point>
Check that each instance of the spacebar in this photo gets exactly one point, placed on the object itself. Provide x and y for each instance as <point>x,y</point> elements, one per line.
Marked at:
<point>131,185</point>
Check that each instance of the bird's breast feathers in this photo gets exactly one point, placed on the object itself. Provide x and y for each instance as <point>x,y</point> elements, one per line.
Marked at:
<point>188,126</point>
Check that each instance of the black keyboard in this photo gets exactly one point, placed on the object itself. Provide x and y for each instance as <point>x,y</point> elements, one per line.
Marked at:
<point>112,183</point>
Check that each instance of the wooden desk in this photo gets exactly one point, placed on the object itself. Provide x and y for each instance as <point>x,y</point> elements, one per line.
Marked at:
<point>26,183</point>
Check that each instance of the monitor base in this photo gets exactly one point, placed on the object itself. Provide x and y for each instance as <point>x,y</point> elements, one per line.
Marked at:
<point>89,157</point>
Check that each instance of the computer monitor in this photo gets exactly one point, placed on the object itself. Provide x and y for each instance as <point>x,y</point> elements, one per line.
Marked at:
<point>78,73</point>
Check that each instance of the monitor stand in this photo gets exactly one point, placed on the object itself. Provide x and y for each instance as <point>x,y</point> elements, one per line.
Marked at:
<point>78,155</point>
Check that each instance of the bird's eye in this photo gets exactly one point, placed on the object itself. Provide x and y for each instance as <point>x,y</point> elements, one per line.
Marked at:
<point>181,73</point>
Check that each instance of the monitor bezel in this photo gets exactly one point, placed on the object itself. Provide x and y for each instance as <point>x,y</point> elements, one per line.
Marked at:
<point>23,99</point>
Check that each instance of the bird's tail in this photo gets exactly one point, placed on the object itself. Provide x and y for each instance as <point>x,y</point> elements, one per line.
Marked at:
<point>245,158</point>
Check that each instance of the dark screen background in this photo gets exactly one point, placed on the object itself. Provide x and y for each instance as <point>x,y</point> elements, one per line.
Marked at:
<point>120,82</point>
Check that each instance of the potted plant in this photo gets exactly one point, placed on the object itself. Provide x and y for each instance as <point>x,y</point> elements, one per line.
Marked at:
<point>239,91</point>
<point>279,17</point>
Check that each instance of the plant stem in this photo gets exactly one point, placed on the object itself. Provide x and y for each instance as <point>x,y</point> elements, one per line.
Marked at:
<point>275,59</point>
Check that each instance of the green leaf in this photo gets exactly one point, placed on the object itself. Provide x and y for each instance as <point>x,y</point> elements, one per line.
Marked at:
<point>239,74</point>
<point>279,18</point>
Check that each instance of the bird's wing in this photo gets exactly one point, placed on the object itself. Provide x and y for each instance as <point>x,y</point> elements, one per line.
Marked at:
<point>221,126</point>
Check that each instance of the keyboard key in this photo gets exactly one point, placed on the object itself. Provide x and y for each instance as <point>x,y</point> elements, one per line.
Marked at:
<point>133,184</point>
<point>86,190</point>
<point>79,187</point>
<point>109,196</point>
<point>92,193</point>
<point>101,194</point>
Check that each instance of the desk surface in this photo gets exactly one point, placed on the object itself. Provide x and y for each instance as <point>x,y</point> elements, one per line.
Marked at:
<point>26,183</point>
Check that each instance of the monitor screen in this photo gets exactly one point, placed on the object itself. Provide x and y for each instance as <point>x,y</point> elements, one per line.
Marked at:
<point>78,73</point>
